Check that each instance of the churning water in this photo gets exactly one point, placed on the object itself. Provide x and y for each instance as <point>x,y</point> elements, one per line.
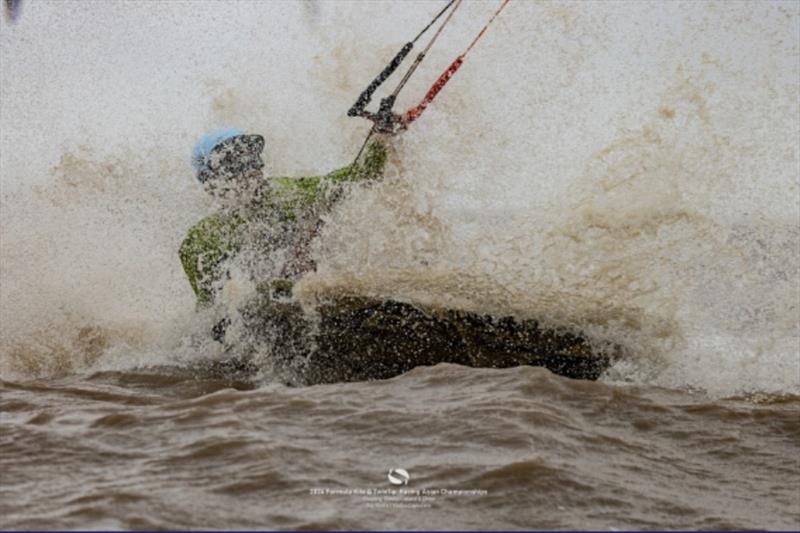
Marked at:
<point>627,170</point>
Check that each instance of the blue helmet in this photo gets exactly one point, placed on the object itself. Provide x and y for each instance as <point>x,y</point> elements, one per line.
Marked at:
<point>227,153</point>
<point>207,142</point>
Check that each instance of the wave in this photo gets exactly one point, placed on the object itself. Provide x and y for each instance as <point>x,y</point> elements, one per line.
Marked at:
<point>652,207</point>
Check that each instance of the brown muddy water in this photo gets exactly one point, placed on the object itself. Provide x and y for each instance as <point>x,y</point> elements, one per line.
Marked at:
<point>165,449</point>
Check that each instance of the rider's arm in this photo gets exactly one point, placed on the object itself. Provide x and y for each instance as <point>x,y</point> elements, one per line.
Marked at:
<point>299,193</point>
<point>369,168</point>
<point>207,244</point>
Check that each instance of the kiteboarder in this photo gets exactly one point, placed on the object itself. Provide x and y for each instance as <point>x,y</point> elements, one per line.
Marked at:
<point>259,215</point>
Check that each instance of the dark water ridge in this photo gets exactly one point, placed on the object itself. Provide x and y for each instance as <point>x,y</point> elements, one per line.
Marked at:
<point>513,448</point>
